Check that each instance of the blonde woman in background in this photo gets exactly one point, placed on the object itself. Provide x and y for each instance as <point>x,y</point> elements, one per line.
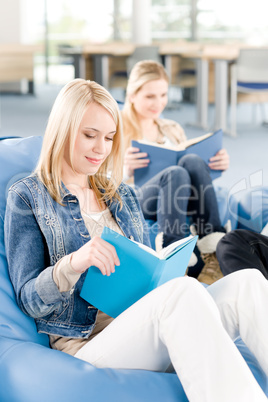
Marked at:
<point>178,191</point>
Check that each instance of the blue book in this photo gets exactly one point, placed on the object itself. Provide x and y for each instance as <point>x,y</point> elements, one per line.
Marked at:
<point>141,270</point>
<point>162,156</point>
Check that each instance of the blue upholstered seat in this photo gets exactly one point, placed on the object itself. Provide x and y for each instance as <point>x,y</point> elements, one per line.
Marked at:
<point>29,370</point>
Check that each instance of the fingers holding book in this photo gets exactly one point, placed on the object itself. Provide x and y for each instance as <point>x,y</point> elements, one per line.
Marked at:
<point>220,161</point>
<point>135,160</point>
<point>97,252</point>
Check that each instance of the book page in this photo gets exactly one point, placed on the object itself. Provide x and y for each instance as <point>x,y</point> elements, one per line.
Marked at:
<point>195,140</point>
<point>166,252</point>
<point>146,248</point>
<point>179,147</point>
<point>173,247</point>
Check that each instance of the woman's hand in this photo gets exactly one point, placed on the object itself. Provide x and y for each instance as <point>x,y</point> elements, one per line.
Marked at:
<point>134,160</point>
<point>220,161</point>
<point>97,252</point>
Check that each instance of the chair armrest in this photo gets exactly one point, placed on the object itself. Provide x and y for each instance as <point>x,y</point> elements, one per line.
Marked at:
<point>31,372</point>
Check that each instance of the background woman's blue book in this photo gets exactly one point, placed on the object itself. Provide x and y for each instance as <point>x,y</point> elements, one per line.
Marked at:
<point>141,270</point>
<point>162,157</point>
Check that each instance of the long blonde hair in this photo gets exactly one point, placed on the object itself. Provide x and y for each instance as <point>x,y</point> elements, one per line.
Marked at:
<point>62,128</point>
<point>143,72</point>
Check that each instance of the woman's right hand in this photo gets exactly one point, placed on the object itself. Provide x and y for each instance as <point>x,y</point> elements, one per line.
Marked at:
<point>134,160</point>
<point>97,252</point>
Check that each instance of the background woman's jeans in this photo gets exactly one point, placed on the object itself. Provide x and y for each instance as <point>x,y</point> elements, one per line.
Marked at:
<point>180,194</point>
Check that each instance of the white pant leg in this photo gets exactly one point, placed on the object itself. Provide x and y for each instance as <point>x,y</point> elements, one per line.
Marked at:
<point>178,322</point>
<point>242,299</point>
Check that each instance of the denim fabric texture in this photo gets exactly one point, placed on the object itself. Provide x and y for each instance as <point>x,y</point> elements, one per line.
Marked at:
<point>40,231</point>
<point>179,196</point>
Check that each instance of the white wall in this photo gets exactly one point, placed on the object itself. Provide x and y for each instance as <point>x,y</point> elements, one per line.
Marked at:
<point>141,22</point>
<point>10,21</point>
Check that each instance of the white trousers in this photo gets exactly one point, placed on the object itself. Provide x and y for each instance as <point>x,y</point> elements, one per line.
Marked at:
<point>180,323</point>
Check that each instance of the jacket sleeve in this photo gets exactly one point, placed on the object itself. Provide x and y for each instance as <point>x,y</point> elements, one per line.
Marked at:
<point>27,255</point>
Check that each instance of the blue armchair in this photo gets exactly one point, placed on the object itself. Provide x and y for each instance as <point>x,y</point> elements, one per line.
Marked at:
<point>29,369</point>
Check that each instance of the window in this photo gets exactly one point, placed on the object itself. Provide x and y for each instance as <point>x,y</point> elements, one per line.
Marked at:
<point>65,22</point>
<point>232,20</point>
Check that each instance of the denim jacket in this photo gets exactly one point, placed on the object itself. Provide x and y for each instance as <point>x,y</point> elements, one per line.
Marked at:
<point>38,232</point>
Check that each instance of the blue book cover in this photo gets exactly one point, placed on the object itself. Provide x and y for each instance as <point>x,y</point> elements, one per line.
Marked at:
<point>162,157</point>
<point>141,270</point>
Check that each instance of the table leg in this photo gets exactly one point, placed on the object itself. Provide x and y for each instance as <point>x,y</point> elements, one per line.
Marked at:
<point>101,70</point>
<point>167,61</point>
<point>79,66</point>
<point>221,94</point>
<point>31,87</point>
<point>202,94</point>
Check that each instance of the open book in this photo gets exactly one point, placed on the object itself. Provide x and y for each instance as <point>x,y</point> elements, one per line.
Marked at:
<point>141,270</point>
<point>162,156</point>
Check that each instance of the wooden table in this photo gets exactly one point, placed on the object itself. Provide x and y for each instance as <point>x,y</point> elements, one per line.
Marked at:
<point>92,62</point>
<point>17,63</point>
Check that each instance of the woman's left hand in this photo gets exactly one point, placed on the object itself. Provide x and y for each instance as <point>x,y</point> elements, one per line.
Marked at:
<point>220,161</point>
